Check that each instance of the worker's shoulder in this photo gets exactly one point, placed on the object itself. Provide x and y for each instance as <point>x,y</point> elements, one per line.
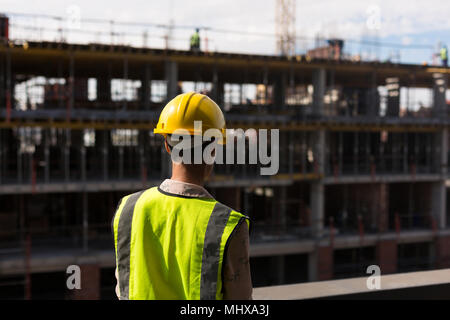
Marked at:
<point>232,211</point>
<point>138,194</point>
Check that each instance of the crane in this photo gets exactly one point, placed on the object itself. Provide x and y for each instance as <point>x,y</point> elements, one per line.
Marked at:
<point>285,27</point>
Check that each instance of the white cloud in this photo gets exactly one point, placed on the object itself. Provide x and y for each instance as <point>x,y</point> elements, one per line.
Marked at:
<point>344,18</point>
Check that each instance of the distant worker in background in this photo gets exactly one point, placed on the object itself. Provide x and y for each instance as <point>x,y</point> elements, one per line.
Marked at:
<point>444,55</point>
<point>195,41</point>
<point>175,241</point>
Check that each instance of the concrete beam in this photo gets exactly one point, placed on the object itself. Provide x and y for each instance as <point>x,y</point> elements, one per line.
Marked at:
<point>171,76</point>
<point>381,178</point>
<point>336,288</point>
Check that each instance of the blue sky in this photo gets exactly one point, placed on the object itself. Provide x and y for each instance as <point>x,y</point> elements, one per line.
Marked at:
<point>403,22</point>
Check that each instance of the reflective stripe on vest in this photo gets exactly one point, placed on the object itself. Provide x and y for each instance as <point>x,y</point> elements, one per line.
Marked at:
<point>171,247</point>
<point>123,243</point>
<point>211,251</point>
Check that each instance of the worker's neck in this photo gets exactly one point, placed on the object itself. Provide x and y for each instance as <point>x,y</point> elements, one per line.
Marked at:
<point>189,175</point>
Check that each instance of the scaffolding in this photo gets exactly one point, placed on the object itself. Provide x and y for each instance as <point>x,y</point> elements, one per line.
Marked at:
<point>359,156</point>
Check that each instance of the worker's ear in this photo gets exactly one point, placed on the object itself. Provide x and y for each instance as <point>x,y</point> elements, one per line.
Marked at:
<point>166,145</point>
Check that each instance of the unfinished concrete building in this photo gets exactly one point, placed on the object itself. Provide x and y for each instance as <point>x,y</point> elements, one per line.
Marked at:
<point>361,181</point>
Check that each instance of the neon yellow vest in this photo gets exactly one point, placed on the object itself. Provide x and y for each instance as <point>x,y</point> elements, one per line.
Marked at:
<point>171,247</point>
<point>195,40</point>
<point>443,53</point>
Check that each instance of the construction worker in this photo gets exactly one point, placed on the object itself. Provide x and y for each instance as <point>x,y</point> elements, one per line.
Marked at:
<point>444,55</point>
<point>175,241</point>
<point>195,41</point>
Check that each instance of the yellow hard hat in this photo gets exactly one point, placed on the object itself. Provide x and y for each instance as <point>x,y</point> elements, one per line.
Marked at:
<point>184,109</point>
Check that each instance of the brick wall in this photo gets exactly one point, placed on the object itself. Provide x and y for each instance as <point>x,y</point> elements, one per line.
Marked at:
<point>386,256</point>
<point>90,283</point>
<point>442,252</point>
<point>324,263</point>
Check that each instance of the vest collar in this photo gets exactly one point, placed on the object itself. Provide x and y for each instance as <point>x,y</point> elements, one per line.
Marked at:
<point>184,189</point>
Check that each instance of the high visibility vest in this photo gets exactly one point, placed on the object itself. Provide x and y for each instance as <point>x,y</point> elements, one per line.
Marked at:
<point>443,53</point>
<point>171,247</point>
<point>195,40</point>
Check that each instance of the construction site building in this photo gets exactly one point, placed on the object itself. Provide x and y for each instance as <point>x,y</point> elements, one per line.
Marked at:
<point>361,181</point>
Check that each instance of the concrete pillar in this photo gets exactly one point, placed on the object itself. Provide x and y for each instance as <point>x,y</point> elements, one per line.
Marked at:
<point>291,147</point>
<point>83,160</point>
<point>77,142</point>
<point>102,139</point>
<point>221,95</point>
<point>2,82</point>
<point>442,150</point>
<point>90,283</point>
<point>104,86</point>
<point>85,221</point>
<point>383,207</point>
<point>70,83</point>
<point>121,152</point>
<point>146,87</point>
<point>319,83</point>
<point>1,153</point>
<point>104,89</point>
<point>317,209</point>
<point>386,255</point>
<point>438,189</point>
<point>125,83</point>
<point>317,187</point>
<point>171,76</point>
<point>143,143</point>
<point>66,158</point>
<point>9,82</point>
<point>393,98</point>
<point>320,264</point>
<point>217,91</point>
<point>280,90</point>
<point>438,203</point>
<point>319,151</point>
<point>46,136</point>
<point>266,85</point>
<point>439,90</point>
<point>19,166</point>
<point>372,96</point>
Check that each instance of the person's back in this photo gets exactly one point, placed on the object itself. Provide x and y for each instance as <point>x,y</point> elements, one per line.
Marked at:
<point>176,241</point>
<point>166,245</point>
